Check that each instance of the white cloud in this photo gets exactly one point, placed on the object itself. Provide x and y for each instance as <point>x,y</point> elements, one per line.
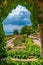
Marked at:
<point>17,11</point>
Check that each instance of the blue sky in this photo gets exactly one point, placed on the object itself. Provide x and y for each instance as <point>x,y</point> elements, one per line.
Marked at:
<point>18,17</point>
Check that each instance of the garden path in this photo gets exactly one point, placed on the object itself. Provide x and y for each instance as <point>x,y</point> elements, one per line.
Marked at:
<point>10,43</point>
<point>35,39</point>
<point>21,60</point>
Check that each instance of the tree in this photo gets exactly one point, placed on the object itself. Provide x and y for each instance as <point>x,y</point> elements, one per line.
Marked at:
<point>26,30</point>
<point>16,32</point>
<point>7,5</point>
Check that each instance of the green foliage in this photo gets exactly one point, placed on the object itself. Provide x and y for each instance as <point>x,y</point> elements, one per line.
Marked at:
<point>2,50</point>
<point>2,41</point>
<point>32,49</point>
<point>8,37</point>
<point>19,41</point>
<point>26,30</point>
<point>17,54</point>
<point>3,63</point>
<point>35,12</point>
<point>9,48</point>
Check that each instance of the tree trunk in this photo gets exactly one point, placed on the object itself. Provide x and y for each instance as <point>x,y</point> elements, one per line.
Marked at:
<point>41,38</point>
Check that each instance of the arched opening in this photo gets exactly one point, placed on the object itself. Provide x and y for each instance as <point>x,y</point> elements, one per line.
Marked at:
<point>9,8</point>
<point>19,17</point>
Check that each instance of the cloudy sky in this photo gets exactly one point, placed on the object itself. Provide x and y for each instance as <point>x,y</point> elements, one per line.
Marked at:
<point>18,17</point>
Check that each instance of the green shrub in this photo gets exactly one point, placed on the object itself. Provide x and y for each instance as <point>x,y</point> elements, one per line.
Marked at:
<point>15,42</point>
<point>32,48</point>
<point>3,63</point>
<point>19,41</point>
<point>9,48</point>
<point>17,54</point>
<point>2,50</point>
